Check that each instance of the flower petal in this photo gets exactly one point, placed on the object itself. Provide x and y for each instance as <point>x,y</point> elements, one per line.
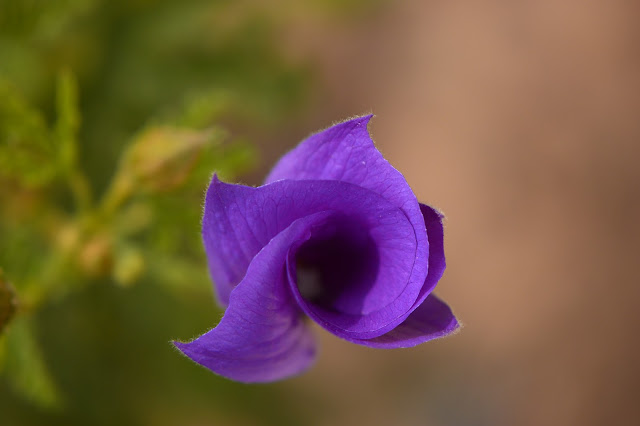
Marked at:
<point>239,221</point>
<point>437,263</point>
<point>431,320</point>
<point>229,245</point>
<point>261,336</point>
<point>345,152</point>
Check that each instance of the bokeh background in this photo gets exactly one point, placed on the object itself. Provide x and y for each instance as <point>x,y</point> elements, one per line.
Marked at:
<point>519,120</point>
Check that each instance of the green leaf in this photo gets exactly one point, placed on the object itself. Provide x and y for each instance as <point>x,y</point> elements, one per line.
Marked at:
<point>26,151</point>
<point>68,119</point>
<point>25,368</point>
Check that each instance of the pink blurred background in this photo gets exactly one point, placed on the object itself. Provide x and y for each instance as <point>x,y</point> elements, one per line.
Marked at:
<point>519,120</point>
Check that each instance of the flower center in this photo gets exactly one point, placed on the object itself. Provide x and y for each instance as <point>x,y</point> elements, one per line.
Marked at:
<point>337,268</point>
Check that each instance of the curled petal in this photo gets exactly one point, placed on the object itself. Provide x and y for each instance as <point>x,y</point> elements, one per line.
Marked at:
<point>262,336</point>
<point>239,221</point>
<point>437,263</point>
<point>431,320</point>
<point>229,245</point>
<point>346,152</point>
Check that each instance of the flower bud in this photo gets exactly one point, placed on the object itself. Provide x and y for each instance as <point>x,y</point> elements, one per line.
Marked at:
<point>129,265</point>
<point>96,256</point>
<point>161,158</point>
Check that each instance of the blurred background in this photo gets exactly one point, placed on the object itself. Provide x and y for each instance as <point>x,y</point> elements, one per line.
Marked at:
<point>519,120</point>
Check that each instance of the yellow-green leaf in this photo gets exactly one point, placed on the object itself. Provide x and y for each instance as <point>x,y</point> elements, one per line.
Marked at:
<point>25,367</point>
<point>26,151</point>
<point>68,119</point>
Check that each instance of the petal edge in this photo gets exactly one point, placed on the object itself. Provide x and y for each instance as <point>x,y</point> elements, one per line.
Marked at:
<point>262,336</point>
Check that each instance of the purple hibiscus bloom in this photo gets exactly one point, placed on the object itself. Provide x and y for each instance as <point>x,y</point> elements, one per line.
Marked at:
<point>335,234</point>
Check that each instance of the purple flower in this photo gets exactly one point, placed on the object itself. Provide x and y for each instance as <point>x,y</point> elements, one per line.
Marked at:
<point>335,234</point>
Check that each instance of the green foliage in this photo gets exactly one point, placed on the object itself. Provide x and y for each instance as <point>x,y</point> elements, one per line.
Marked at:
<point>25,367</point>
<point>113,116</point>
<point>26,150</point>
<point>68,119</point>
